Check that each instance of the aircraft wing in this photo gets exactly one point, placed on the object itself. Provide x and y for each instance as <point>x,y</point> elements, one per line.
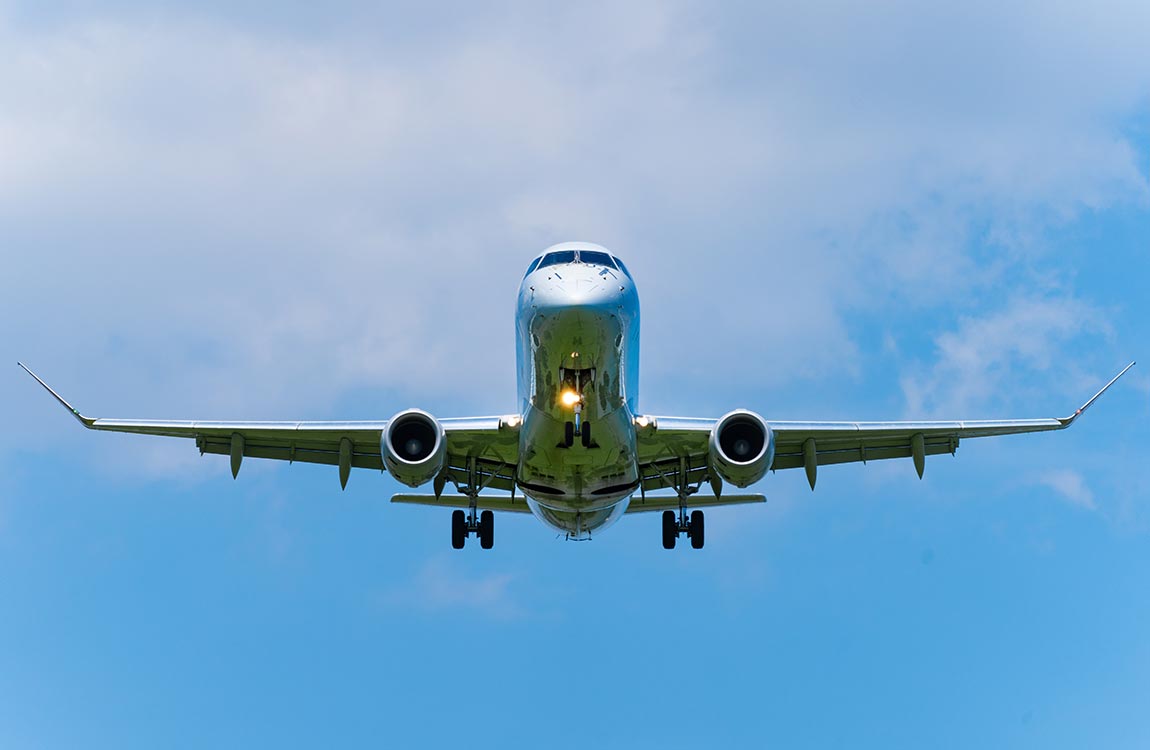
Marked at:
<point>492,441</point>
<point>669,446</point>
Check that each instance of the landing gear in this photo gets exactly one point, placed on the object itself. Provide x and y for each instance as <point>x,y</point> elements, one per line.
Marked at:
<point>466,523</point>
<point>486,529</point>
<point>571,429</point>
<point>458,529</point>
<point>675,524</point>
<point>572,383</point>
<point>670,529</point>
<point>695,529</point>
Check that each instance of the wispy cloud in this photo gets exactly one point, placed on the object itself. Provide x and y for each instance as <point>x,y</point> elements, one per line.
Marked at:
<point>261,222</point>
<point>439,586</point>
<point>1071,486</point>
<point>986,356</point>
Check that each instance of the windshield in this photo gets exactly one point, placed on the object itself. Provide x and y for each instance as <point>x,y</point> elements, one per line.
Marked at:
<point>590,257</point>
<point>554,259</point>
<point>595,257</point>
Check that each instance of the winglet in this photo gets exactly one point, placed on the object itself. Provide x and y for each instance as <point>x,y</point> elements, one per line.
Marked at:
<point>86,421</point>
<point>1067,421</point>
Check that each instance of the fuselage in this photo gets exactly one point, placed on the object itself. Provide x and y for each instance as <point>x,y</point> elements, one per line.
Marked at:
<point>577,329</point>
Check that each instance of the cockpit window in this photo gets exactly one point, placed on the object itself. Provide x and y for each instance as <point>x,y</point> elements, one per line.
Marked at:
<point>532,267</point>
<point>554,259</point>
<point>595,257</point>
<point>622,267</point>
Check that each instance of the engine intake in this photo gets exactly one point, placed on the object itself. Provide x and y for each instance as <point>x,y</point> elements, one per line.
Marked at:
<point>742,447</point>
<point>414,447</point>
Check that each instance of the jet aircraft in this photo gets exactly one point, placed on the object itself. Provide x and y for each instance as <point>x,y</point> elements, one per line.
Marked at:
<point>578,453</point>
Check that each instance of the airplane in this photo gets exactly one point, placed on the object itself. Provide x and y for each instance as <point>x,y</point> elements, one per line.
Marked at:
<point>578,448</point>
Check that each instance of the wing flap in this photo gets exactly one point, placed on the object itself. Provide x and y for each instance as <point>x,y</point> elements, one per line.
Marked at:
<point>503,503</point>
<point>653,503</point>
<point>313,453</point>
<point>842,452</point>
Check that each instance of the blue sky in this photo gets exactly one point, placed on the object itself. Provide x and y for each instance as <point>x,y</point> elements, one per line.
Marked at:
<point>243,210</point>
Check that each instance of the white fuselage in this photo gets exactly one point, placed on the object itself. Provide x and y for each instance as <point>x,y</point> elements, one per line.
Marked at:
<point>577,329</point>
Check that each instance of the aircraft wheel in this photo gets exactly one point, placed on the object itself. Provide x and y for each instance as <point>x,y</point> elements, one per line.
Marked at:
<point>585,434</point>
<point>696,529</point>
<point>568,434</point>
<point>670,529</point>
<point>486,529</point>
<point>458,529</point>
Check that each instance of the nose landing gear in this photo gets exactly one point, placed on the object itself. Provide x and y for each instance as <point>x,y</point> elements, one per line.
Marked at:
<point>573,382</point>
<point>571,429</point>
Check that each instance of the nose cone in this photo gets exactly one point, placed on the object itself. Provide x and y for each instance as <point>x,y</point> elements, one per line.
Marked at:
<point>578,285</point>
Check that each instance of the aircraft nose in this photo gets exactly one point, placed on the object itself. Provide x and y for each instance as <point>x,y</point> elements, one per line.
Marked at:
<point>585,286</point>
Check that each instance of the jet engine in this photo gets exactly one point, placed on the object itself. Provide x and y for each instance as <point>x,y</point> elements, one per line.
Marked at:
<point>742,447</point>
<point>414,447</point>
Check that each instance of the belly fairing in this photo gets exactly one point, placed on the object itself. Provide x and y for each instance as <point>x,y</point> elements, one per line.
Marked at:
<point>579,525</point>
<point>578,479</point>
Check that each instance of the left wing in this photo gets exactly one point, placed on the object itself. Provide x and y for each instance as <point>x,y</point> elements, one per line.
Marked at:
<point>492,442</point>
<point>671,447</point>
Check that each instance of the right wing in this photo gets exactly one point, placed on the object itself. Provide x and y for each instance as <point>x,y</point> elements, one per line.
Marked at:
<point>492,442</point>
<point>672,446</point>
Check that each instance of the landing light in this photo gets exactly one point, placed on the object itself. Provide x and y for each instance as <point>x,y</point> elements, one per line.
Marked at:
<point>569,398</point>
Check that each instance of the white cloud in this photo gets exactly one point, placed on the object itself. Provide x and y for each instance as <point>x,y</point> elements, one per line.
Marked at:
<point>1071,486</point>
<point>990,357</point>
<point>440,586</point>
<point>214,220</point>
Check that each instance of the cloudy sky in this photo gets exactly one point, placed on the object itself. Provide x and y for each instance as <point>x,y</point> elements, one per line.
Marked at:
<point>245,210</point>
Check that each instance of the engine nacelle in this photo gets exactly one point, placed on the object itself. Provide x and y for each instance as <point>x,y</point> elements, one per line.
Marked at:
<point>414,447</point>
<point>742,447</point>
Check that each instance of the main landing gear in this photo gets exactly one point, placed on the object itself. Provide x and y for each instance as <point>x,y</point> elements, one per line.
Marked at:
<point>471,521</point>
<point>675,524</point>
<point>465,523</point>
<point>691,524</point>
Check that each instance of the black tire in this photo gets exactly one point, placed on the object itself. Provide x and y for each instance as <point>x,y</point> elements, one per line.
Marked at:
<point>696,531</point>
<point>568,434</point>
<point>458,529</point>
<point>670,529</point>
<point>585,435</point>
<point>486,529</point>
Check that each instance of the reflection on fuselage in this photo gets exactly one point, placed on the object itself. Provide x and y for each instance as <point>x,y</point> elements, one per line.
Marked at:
<point>577,350</point>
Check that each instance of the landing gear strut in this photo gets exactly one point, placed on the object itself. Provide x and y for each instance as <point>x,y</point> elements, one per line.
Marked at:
<point>675,524</point>
<point>466,523</point>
